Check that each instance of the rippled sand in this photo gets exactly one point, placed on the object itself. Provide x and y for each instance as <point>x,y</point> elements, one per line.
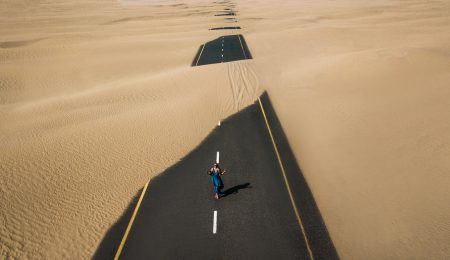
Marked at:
<point>96,97</point>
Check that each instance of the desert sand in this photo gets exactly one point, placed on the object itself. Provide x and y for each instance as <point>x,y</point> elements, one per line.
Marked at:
<point>98,96</point>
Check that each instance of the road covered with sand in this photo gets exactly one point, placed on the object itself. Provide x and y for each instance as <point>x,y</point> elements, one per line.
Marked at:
<point>98,96</point>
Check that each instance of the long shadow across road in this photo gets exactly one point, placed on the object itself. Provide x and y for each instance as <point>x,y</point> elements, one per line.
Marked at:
<point>255,218</point>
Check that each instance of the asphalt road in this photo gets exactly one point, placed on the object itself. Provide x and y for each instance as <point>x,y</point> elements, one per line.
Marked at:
<point>255,220</point>
<point>226,28</point>
<point>223,49</point>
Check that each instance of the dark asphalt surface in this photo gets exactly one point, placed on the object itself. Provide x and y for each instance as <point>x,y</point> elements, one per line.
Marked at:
<point>223,49</point>
<point>226,28</point>
<point>255,220</point>
<point>226,14</point>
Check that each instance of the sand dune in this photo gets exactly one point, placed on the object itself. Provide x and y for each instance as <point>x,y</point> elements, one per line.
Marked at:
<point>369,87</point>
<point>96,97</point>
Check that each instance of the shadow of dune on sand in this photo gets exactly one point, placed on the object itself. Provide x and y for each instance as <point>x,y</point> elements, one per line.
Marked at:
<point>111,241</point>
<point>129,19</point>
<point>15,44</point>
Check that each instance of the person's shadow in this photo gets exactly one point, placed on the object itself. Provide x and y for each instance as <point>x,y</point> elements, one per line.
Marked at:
<point>235,189</point>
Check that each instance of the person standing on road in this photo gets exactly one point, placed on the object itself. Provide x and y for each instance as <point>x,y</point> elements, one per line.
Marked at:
<point>215,173</point>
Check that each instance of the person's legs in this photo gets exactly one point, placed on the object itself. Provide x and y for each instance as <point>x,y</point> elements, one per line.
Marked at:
<point>220,189</point>
<point>216,191</point>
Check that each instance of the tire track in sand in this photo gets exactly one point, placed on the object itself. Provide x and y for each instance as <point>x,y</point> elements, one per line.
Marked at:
<point>244,84</point>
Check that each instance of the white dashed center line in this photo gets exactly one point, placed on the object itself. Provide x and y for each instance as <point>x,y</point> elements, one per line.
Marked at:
<point>217,157</point>
<point>215,222</point>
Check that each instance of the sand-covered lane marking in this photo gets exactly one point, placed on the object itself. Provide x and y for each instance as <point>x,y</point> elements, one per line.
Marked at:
<point>130,224</point>
<point>286,182</point>
<point>215,222</point>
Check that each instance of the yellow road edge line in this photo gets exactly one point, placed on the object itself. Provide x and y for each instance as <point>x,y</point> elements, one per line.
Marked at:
<point>299,220</point>
<point>200,54</point>
<point>127,231</point>
<point>242,47</point>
